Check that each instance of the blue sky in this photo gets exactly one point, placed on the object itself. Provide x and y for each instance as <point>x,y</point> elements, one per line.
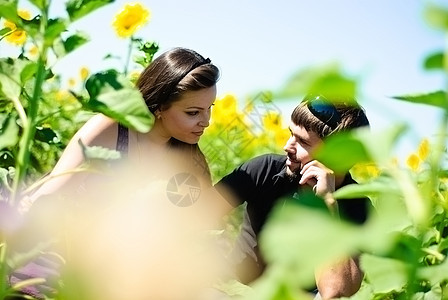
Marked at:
<point>259,44</point>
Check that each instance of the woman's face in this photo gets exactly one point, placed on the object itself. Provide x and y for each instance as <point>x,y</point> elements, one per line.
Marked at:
<point>186,119</point>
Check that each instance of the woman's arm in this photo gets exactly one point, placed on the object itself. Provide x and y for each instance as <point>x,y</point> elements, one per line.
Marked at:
<point>97,131</point>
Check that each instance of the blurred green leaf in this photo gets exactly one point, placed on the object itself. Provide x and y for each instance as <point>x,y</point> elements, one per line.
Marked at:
<point>10,76</point>
<point>63,47</point>
<point>434,274</point>
<point>291,226</point>
<point>436,16</point>
<point>380,144</point>
<point>434,61</point>
<point>380,185</point>
<point>437,98</point>
<point>8,10</point>
<point>41,4</point>
<point>113,95</point>
<point>77,9</point>
<point>328,80</point>
<point>54,29</point>
<point>97,152</point>
<point>384,274</point>
<point>32,26</point>
<point>9,133</point>
<point>341,151</point>
<point>28,72</point>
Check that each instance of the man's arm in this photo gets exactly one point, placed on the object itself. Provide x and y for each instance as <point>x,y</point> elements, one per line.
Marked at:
<point>342,279</point>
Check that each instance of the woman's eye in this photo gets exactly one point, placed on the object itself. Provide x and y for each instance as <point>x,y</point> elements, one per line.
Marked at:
<point>192,113</point>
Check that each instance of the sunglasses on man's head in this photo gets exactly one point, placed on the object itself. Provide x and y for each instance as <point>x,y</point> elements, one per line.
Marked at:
<point>324,110</point>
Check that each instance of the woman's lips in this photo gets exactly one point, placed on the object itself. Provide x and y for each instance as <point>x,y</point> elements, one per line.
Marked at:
<point>198,133</point>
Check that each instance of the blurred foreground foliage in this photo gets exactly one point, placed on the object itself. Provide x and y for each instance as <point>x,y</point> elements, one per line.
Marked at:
<point>403,245</point>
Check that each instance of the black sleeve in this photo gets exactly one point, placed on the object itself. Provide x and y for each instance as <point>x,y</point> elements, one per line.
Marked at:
<point>246,182</point>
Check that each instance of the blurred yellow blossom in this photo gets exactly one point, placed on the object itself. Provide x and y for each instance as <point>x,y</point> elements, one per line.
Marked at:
<point>225,109</point>
<point>365,171</point>
<point>130,18</point>
<point>272,121</point>
<point>423,149</point>
<point>413,162</point>
<point>17,36</point>
<point>134,75</point>
<point>71,82</point>
<point>33,51</point>
<point>84,73</point>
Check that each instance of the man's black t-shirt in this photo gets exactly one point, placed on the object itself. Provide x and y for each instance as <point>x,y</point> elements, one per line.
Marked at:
<point>263,180</point>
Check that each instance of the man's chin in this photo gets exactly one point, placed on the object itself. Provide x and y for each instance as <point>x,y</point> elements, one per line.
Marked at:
<point>293,175</point>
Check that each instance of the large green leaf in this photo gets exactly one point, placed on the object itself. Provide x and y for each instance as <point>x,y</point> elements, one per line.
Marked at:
<point>328,80</point>
<point>434,61</point>
<point>384,274</point>
<point>113,95</point>
<point>77,9</point>
<point>341,151</point>
<point>380,144</point>
<point>8,10</point>
<point>437,98</point>
<point>381,185</point>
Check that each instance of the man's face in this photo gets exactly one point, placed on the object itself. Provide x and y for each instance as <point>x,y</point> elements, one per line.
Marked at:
<point>299,148</point>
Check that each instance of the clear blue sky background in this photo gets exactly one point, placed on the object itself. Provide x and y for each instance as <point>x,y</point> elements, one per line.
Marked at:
<point>259,44</point>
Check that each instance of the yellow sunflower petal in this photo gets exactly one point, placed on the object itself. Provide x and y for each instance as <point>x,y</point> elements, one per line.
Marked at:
<point>413,162</point>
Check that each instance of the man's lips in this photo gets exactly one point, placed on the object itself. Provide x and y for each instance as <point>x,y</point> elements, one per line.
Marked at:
<point>198,133</point>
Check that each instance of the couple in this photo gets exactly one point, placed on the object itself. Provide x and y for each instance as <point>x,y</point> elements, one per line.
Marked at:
<point>179,88</point>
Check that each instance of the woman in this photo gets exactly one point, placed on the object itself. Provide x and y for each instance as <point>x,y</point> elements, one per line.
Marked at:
<point>165,163</point>
<point>179,88</point>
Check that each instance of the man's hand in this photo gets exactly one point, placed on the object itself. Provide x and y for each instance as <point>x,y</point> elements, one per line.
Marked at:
<point>322,180</point>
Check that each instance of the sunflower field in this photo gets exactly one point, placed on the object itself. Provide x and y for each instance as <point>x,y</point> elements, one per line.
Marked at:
<point>403,246</point>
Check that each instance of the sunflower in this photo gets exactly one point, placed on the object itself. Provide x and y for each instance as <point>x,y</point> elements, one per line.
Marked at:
<point>130,18</point>
<point>17,36</point>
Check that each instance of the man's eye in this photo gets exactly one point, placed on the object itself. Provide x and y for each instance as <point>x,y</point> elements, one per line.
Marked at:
<point>192,113</point>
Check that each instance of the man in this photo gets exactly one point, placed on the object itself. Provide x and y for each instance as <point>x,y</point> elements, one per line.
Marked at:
<point>263,180</point>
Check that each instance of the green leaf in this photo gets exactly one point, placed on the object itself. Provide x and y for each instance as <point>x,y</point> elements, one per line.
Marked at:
<point>8,10</point>
<point>380,144</point>
<point>434,274</point>
<point>434,61</point>
<point>9,134</point>
<point>54,29</point>
<point>384,274</point>
<point>77,9</point>
<point>436,16</point>
<point>75,41</point>
<point>28,72</point>
<point>292,226</point>
<point>328,80</point>
<point>380,185</point>
<point>113,95</point>
<point>97,152</point>
<point>41,4</point>
<point>340,152</point>
<point>437,98</point>
<point>10,76</point>
<point>62,48</point>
